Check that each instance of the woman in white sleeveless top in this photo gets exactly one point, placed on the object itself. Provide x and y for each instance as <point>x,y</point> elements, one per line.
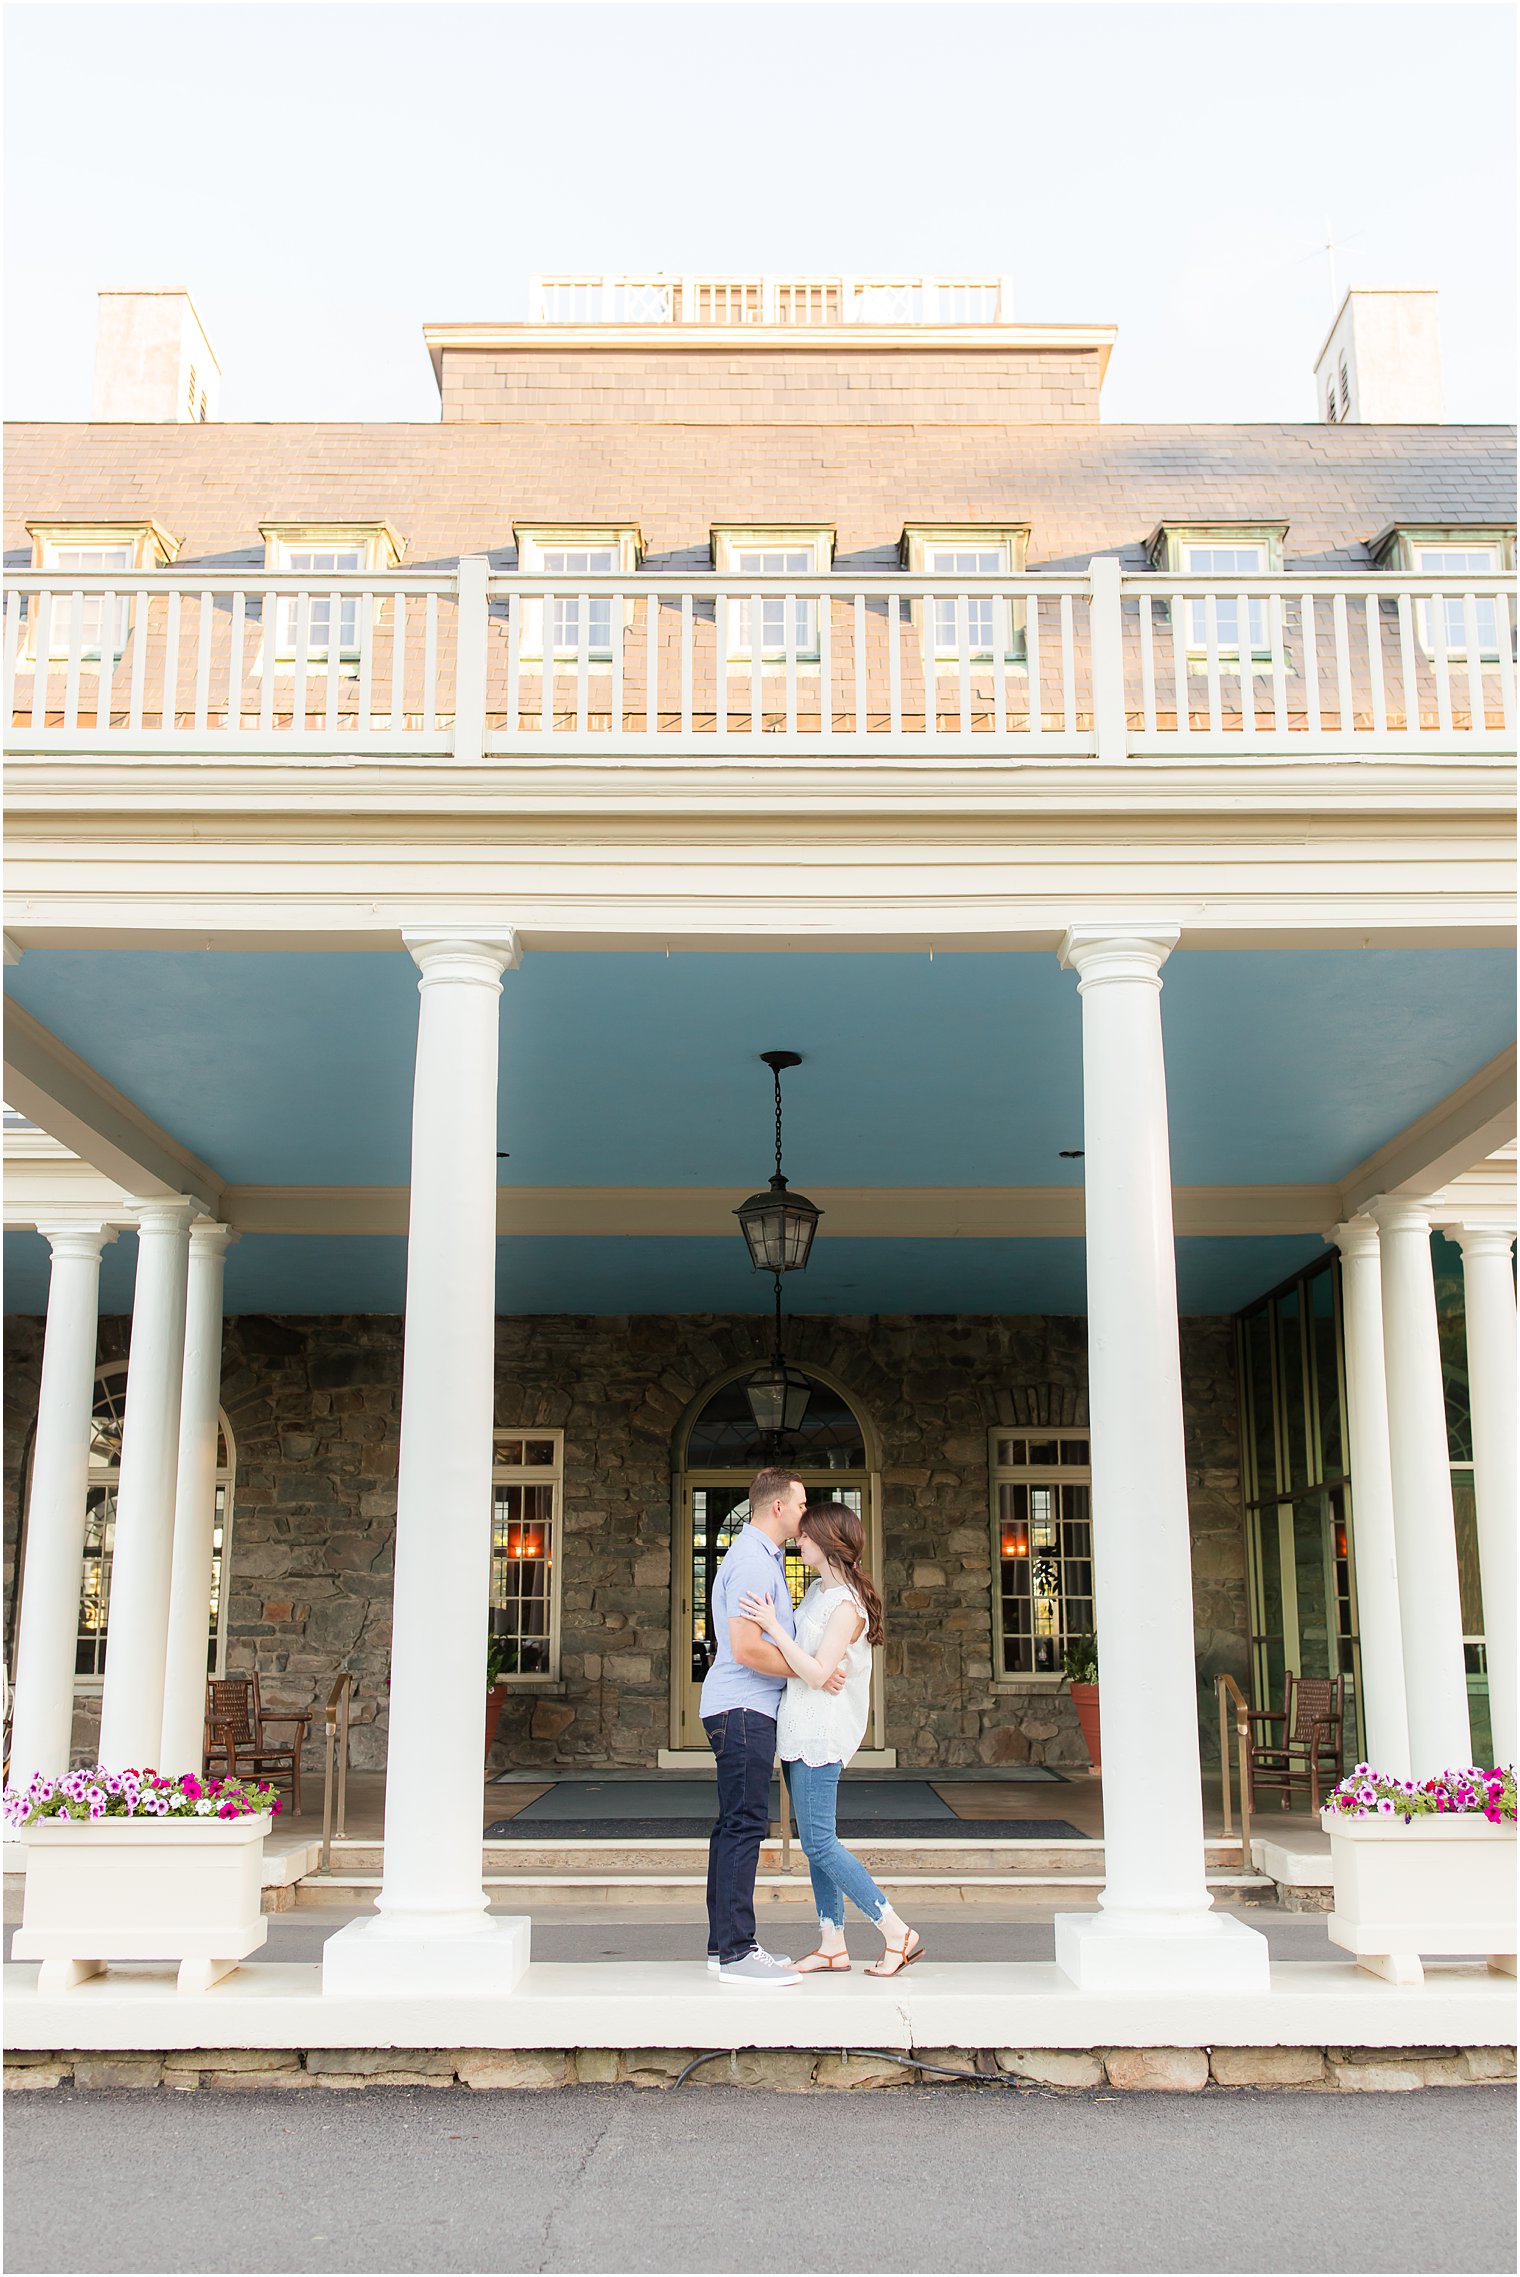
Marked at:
<point>839,1620</point>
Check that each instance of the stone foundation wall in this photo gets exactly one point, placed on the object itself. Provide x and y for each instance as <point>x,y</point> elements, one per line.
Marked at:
<point>313,1406</point>
<point>797,2070</point>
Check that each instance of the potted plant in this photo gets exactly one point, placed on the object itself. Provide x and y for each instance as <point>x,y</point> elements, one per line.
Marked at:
<point>1423,1866</point>
<point>501,1662</point>
<point>137,1866</point>
<point>1079,1666</point>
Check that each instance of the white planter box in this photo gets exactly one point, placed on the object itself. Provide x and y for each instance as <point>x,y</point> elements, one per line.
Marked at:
<point>1438,1885</point>
<point>132,1889</point>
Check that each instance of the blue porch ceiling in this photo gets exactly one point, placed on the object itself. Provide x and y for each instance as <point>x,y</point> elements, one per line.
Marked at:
<point>638,1069</point>
<point>284,1273</point>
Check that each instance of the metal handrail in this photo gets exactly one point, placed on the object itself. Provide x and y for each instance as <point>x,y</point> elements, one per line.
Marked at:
<point>336,1719</point>
<point>1228,1690</point>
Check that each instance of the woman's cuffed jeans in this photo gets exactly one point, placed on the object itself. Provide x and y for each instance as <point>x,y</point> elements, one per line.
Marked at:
<point>837,1873</point>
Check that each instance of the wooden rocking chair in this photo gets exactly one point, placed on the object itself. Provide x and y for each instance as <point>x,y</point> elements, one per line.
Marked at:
<point>1310,1745</point>
<point>236,1724</point>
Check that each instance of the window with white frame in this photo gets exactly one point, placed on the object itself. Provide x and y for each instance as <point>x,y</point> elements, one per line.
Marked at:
<point>967,625</point>
<point>88,549</point>
<point>316,623</point>
<point>527,1476</point>
<point>1460,561</point>
<point>1223,554</point>
<point>1482,553</point>
<point>1042,1546</point>
<point>781,625</point>
<point>1225,562</point>
<point>103,1480</point>
<point>578,623</point>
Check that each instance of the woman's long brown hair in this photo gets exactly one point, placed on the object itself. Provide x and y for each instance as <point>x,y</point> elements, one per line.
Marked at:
<point>836,1530</point>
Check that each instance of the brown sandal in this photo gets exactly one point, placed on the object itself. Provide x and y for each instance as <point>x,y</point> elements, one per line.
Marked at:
<point>833,1963</point>
<point>900,1959</point>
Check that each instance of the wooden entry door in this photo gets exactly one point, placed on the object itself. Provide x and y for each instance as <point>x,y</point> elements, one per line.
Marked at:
<point>713,1506</point>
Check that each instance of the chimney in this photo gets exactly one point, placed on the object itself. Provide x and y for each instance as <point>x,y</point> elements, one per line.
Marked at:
<point>153,360</point>
<point>1382,361</point>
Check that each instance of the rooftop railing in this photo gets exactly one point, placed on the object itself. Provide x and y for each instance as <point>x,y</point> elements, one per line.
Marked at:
<point>770,300</point>
<point>475,664</point>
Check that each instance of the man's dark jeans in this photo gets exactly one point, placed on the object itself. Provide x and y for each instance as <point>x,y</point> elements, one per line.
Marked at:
<point>744,1746</point>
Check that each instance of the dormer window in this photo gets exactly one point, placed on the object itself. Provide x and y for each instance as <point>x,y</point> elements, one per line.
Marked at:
<point>316,551</point>
<point>577,622</point>
<point>1222,551</point>
<point>787,624</point>
<point>1451,550</point>
<point>966,624</point>
<point>91,547</point>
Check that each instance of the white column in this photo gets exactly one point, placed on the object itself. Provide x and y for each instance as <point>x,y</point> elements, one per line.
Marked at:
<point>1155,1928</point>
<point>1425,1535</point>
<point>184,1729</point>
<point>1488,1284</point>
<point>55,1528</point>
<point>1380,1639</point>
<point>432,1933</point>
<point>132,1701</point>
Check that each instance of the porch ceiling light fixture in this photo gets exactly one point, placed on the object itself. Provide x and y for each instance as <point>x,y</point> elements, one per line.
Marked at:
<point>778,1225</point>
<point>778,1228</point>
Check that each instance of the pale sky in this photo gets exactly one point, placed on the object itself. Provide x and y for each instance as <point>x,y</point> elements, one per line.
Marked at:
<point>326,179</point>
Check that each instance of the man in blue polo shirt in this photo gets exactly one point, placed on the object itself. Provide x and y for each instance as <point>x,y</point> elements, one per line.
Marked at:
<point>741,1696</point>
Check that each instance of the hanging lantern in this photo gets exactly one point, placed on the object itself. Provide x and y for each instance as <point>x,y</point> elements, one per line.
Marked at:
<point>778,1228</point>
<point>778,1225</point>
<point>778,1398</point>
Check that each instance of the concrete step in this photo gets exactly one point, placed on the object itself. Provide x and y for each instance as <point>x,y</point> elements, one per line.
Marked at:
<point>622,1890</point>
<point>978,1854</point>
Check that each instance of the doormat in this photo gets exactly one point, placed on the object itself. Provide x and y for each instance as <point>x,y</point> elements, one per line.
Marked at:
<point>693,1801</point>
<point>524,1828</point>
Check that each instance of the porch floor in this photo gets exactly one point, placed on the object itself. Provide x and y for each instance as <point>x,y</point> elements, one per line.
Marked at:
<point>980,1804</point>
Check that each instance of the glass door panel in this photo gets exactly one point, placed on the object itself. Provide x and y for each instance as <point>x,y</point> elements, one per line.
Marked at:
<point>715,1509</point>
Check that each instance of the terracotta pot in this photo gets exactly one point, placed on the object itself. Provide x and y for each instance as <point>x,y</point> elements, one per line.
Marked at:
<point>496,1700</point>
<point>1084,1698</point>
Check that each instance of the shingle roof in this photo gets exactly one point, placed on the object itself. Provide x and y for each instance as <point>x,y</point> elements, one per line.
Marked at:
<point>452,489</point>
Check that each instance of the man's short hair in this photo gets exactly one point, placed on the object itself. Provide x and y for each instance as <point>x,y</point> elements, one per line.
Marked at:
<point>769,1486</point>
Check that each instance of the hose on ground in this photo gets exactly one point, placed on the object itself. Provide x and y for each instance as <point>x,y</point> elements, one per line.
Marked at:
<point>885,2055</point>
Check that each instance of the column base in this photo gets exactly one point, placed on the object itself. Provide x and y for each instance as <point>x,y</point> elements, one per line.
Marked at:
<point>410,1961</point>
<point>1207,1952</point>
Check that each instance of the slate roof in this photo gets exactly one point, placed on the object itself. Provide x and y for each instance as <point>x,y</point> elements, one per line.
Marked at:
<point>458,488</point>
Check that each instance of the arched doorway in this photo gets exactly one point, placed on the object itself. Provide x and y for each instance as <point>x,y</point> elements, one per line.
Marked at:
<point>717,1452</point>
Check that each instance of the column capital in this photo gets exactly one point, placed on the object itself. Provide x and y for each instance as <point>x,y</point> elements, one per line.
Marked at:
<point>1479,1240</point>
<point>473,959</point>
<point>207,1236</point>
<point>1401,1213</point>
<point>165,1213</point>
<point>1358,1237</point>
<point>1100,954</point>
<point>84,1241</point>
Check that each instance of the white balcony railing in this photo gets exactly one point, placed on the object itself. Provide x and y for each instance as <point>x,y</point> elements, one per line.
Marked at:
<point>770,300</point>
<point>1098,666</point>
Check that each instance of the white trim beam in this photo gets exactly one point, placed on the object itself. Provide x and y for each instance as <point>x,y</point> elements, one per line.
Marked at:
<point>1455,1136</point>
<point>74,1104</point>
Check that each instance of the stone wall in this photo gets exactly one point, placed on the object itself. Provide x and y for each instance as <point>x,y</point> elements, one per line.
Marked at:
<point>313,1406</point>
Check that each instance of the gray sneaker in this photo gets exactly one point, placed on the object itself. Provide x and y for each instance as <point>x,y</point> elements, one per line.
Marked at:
<point>759,1971</point>
<point>785,1959</point>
